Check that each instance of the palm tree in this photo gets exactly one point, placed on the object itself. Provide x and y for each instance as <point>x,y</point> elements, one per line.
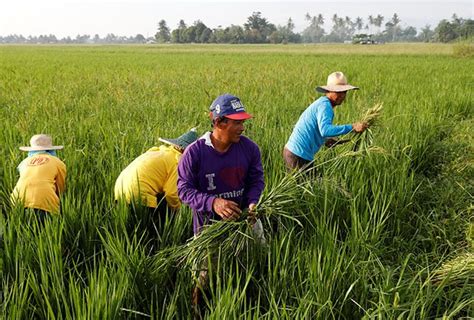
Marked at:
<point>359,23</point>
<point>371,21</point>
<point>378,21</point>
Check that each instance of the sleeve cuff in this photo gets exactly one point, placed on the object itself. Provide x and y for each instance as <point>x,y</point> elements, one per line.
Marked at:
<point>209,202</point>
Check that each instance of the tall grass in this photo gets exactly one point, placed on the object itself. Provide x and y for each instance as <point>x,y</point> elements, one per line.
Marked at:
<point>368,236</point>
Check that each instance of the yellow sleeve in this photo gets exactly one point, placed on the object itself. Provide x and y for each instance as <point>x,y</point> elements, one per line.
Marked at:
<point>61,178</point>
<point>170,188</point>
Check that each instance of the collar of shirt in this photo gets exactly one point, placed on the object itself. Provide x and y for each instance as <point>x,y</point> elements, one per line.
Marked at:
<point>33,153</point>
<point>207,139</point>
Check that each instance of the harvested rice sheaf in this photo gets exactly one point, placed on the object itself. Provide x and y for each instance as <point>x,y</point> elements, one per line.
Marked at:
<point>457,272</point>
<point>236,238</point>
<point>372,115</point>
<point>364,140</point>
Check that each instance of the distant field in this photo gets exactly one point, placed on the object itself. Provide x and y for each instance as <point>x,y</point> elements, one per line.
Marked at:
<point>375,229</point>
<point>388,48</point>
<point>393,49</point>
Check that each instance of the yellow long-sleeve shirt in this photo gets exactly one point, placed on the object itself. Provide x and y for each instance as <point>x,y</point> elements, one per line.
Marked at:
<point>152,173</point>
<point>42,179</point>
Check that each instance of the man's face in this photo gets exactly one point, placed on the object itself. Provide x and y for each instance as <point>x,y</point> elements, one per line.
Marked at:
<point>232,129</point>
<point>336,98</point>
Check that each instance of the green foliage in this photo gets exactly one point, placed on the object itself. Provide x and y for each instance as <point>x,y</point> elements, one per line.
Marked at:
<point>163,35</point>
<point>457,28</point>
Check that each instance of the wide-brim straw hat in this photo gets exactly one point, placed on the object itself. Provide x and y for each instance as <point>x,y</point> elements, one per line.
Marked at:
<point>182,141</point>
<point>41,142</point>
<point>337,82</point>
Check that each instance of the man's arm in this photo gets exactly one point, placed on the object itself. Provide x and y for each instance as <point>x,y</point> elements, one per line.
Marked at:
<point>324,118</point>
<point>188,183</point>
<point>254,182</point>
<point>331,142</point>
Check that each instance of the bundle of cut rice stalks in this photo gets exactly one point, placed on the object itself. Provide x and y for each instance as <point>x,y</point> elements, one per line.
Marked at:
<point>234,240</point>
<point>239,239</point>
<point>458,272</point>
<point>364,141</point>
<point>359,144</point>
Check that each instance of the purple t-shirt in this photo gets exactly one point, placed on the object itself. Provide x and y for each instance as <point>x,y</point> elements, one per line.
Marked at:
<point>205,174</point>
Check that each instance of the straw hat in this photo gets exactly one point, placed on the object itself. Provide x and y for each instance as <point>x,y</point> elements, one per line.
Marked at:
<point>182,141</point>
<point>40,142</point>
<point>337,82</point>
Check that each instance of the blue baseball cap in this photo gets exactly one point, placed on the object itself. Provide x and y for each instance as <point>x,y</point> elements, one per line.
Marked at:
<point>228,106</point>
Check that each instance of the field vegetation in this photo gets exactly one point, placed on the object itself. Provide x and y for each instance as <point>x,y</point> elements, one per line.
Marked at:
<point>385,233</point>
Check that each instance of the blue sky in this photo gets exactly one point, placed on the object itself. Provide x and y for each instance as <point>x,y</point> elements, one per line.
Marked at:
<point>128,17</point>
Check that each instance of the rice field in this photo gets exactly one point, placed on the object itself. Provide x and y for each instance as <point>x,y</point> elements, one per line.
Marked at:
<point>384,233</point>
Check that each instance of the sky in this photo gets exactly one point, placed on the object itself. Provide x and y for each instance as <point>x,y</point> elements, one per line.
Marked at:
<point>128,18</point>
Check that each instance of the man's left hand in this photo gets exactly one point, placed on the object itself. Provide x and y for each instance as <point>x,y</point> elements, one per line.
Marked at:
<point>335,142</point>
<point>330,142</point>
<point>252,217</point>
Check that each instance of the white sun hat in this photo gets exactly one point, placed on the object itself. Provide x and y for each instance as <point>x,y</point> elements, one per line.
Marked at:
<point>337,82</point>
<point>40,142</point>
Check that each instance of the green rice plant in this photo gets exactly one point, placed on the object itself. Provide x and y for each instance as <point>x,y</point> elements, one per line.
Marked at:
<point>231,301</point>
<point>102,294</point>
<point>130,256</point>
<point>401,292</point>
<point>279,282</point>
<point>15,299</point>
<point>362,235</point>
<point>470,235</point>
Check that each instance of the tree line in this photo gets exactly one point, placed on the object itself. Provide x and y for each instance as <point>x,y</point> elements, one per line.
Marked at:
<point>259,29</point>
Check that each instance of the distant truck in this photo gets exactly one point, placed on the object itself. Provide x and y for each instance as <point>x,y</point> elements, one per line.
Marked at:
<point>363,39</point>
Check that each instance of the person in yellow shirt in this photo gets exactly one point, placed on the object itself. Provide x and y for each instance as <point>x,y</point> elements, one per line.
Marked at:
<point>42,177</point>
<point>151,178</point>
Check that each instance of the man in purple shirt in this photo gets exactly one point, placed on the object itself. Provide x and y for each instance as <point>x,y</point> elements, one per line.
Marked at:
<point>221,174</point>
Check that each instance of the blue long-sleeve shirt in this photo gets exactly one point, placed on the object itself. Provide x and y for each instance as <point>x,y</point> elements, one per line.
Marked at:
<point>312,129</point>
<point>205,174</point>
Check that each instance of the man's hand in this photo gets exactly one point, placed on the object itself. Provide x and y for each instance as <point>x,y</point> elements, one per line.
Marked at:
<point>359,127</point>
<point>227,209</point>
<point>252,218</point>
<point>330,142</point>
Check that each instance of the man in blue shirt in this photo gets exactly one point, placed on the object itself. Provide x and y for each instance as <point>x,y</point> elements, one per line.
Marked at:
<point>315,128</point>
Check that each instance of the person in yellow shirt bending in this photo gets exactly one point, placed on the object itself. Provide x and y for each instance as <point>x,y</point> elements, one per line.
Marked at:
<point>42,177</point>
<point>150,179</point>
